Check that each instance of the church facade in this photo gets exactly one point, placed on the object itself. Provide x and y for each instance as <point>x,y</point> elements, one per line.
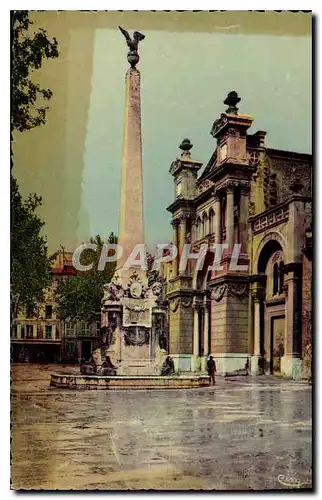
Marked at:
<point>257,200</point>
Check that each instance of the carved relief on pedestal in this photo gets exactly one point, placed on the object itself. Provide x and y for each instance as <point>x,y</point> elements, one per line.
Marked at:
<point>136,336</point>
<point>219,291</point>
<point>174,304</point>
<point>113,291</point>
<point>109,331</point>
<point>137,313</point>
<point>135,288</point>
<point>239,290</point>
<point>186,301</point>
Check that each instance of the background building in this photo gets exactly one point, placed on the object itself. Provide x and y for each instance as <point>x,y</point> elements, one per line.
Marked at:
<point>41,336</point>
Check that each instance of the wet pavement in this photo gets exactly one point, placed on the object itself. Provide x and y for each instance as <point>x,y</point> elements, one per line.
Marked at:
<point>243,434</point>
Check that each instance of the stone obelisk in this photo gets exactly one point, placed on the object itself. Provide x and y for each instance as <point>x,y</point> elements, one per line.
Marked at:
<point>130,305</point>
<point>131,210</point>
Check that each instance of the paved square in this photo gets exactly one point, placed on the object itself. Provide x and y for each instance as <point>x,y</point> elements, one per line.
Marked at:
<point>244,433</point>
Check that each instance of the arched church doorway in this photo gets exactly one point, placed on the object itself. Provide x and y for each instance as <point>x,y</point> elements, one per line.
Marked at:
<point>272,307</point>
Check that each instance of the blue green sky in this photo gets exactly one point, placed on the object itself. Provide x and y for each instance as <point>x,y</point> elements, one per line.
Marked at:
<point>184,79</point>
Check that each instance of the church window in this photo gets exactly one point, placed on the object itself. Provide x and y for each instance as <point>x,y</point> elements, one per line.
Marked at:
<point>275,278</point>
<point>211,222</point>
<point>198,229</point>
<point>204,225</point>
<point>281,277</point>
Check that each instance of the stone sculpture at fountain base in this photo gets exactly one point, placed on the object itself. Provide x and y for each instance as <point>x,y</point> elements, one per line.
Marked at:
<point>134,325</point>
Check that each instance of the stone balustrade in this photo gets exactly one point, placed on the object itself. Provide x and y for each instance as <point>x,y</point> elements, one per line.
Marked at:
<point>273,217</point>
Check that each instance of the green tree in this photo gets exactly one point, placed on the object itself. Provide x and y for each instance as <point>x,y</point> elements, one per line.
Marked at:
<point>79,297</point>
<point>29,49</point>
<point>30,265</point>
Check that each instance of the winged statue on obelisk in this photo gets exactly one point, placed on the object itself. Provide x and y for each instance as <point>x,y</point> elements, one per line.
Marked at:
<point>133,44</point>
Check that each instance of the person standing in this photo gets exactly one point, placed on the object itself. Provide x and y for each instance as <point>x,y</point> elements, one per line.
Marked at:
<point>211,368</point>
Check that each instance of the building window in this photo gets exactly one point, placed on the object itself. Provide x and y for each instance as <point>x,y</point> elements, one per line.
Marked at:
<point>22,332</point>
<point>204,226</point>
<point>49,312</point>
<point>198,236</point>
<point>48,331</point>
<point>30,331</point>
<point>14,331</point>
<point>70,348</point>
<point>275,278</point>
<point>70,329</point>
<point>39,332</point>
<point>281,276</point>
<point>85,330</point>
<point>211,222</point>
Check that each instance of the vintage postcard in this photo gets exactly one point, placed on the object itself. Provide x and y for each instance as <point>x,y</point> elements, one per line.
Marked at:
<point>161,250</point>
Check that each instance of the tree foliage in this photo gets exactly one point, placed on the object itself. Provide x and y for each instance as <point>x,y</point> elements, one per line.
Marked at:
<point>30,264</point>
<point>28,51</point>
<point>79,297</point>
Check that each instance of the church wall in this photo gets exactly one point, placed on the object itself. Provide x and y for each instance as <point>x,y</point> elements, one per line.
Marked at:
<point>229,324</point>
<point>181,330</point>
<point>237,325</point>
<point>218,325</point>
<point>306,303</point>
<point>174,328</point>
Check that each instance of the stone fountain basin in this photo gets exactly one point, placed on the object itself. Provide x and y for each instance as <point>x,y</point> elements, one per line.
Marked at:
<point>83,382</point>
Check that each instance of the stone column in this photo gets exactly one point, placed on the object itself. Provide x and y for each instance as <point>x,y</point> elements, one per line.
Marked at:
<point>175,225</point>
<point>206,331</point>
<point>195,361</point>
<point>230,215</point>
<point>206,347</point>
<point>257,297</point>
<point>182,240</point>
<point>183,231</point>
<point>243,216</point>
<point>291,362</point>
<point>217,218</point>
<point>193,231</point>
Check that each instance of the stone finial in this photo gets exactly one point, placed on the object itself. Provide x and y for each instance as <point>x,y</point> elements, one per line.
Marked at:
<point>185,147</point>
<point>231,100</point>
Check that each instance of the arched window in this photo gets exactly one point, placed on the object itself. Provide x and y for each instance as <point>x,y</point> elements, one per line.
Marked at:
<point>281,276</point>
<point>211,221</point>
<point>204,225</point>
<point>198,229</point>
<point>275,278</point>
